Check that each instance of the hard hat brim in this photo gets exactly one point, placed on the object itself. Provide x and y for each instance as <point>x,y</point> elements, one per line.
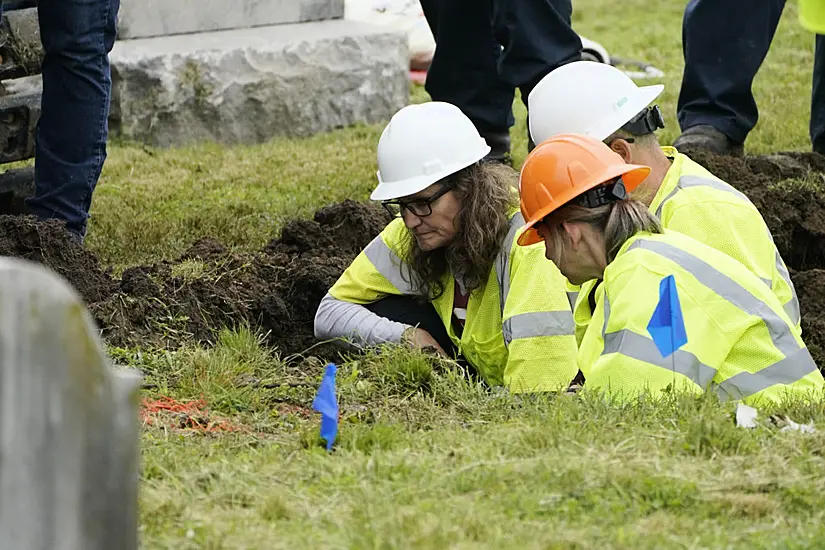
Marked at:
<point>389,190</point>
<point>529,237</point>
<point>632,175</point>
<point>643,97</point>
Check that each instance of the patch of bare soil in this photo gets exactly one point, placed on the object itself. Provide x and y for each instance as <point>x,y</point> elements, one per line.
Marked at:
<point>276,290</point>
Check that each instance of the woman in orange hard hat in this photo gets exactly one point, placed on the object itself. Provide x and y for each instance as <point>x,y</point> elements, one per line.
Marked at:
<point>673,313</point>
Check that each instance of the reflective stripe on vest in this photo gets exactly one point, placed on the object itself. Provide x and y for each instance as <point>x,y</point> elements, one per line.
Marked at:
<point>685,182</point>
<point>503,260</point>
<point>797,363</point>
<point>572,297</point>
<point>539,323</point>
<point>792,307</point>
<point>642,348</point>
<point>388,264</point>
<point>786,371</point>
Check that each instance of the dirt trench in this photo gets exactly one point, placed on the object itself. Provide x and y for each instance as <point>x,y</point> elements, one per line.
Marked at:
<point>278,288</point>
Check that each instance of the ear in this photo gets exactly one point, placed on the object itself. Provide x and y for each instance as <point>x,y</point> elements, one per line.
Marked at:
<point>574,234</point>
<point>623,148</point>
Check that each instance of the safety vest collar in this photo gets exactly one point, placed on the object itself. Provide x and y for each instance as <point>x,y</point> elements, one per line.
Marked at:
<point>671,178</point>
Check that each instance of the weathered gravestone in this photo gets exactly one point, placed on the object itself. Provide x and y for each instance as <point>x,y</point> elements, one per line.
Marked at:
<point>247,71</point>
<point>68,422</point>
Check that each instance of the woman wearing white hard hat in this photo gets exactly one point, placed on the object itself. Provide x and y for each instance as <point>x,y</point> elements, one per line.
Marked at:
<point>600,101</point>
<point>446,272</point>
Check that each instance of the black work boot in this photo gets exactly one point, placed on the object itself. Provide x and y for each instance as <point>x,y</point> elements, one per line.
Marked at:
<point>708,138</point>
<point>499,143</point>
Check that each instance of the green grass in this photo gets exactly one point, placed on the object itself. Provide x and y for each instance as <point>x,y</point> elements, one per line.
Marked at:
<point>426,458</point>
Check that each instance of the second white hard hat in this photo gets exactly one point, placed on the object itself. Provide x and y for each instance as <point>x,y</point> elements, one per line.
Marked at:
<point>586,97</point>
<point>423,144</point>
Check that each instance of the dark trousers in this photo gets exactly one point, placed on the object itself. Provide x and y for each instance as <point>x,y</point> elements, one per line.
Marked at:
<point>725,43</point>
<point>472,71</point>
<point>70,140</point>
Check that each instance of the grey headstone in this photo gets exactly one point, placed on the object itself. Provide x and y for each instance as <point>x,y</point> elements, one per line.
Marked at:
<point>150,18</point>
<point>248,86</point>
<point>69,430</point>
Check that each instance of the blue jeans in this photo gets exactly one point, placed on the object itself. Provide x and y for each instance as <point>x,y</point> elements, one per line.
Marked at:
<point>724,48</point>
<point>485,49</point>
<point>70,143</point>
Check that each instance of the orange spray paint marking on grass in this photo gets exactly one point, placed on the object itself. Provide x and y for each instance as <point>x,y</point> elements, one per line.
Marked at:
<point>189,415</point>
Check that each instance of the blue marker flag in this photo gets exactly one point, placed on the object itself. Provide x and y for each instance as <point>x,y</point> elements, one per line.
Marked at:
<point>326,403</point>
<point>666,326</point>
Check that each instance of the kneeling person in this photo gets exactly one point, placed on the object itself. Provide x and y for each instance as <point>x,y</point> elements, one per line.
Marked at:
<point>446,272</point>
<point>600,101</point>
<point>740,342</point>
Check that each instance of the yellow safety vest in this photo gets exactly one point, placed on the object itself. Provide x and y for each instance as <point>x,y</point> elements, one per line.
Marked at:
<point>696,203</point>
<point>519,326</point>
<point>812,15</point>
<point>740,342</point>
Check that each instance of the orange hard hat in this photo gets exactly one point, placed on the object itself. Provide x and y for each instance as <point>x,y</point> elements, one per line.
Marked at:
<point>564,167</point>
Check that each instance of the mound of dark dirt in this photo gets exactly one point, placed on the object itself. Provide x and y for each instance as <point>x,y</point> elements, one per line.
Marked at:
<point>277,289</point>
<point>49,243</point>
<point>348,227</point>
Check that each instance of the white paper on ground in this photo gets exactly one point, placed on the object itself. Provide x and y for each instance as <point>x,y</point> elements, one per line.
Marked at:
<point>792,426</point>
<point>745,416</point>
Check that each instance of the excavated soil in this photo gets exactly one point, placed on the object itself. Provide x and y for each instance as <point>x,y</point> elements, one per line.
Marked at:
<point>49,243</point>
<point>278,288</point>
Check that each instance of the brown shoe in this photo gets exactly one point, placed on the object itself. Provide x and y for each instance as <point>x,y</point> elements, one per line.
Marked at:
<point>708,138</point>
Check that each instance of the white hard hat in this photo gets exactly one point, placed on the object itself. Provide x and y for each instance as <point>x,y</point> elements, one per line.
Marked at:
<point>423,144</point>
<point>586,97</point>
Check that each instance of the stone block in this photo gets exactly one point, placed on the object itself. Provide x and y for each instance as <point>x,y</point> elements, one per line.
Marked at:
<point>248,86</point>
<point>149,18</point>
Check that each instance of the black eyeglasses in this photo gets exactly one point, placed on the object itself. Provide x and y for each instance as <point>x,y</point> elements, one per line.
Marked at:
<point>420,207</point>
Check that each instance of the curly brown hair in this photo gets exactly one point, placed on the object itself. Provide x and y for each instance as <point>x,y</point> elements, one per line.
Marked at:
<point>488,192</point>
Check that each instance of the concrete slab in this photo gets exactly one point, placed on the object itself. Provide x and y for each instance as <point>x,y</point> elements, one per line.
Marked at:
<point>248,86</point>
<point>150,18</point>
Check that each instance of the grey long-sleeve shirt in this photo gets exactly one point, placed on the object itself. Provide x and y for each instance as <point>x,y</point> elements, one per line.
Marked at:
<point>358,324</point>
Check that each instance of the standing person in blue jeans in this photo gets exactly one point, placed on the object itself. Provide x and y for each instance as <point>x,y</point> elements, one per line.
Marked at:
<point>485,49</point>
<point>70,142</point>
<point>725,44</point>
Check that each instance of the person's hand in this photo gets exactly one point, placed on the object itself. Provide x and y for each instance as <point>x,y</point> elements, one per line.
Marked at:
<point>421,339</point>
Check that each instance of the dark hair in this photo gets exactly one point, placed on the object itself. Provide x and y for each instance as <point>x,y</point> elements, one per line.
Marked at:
<point>488,192</point>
